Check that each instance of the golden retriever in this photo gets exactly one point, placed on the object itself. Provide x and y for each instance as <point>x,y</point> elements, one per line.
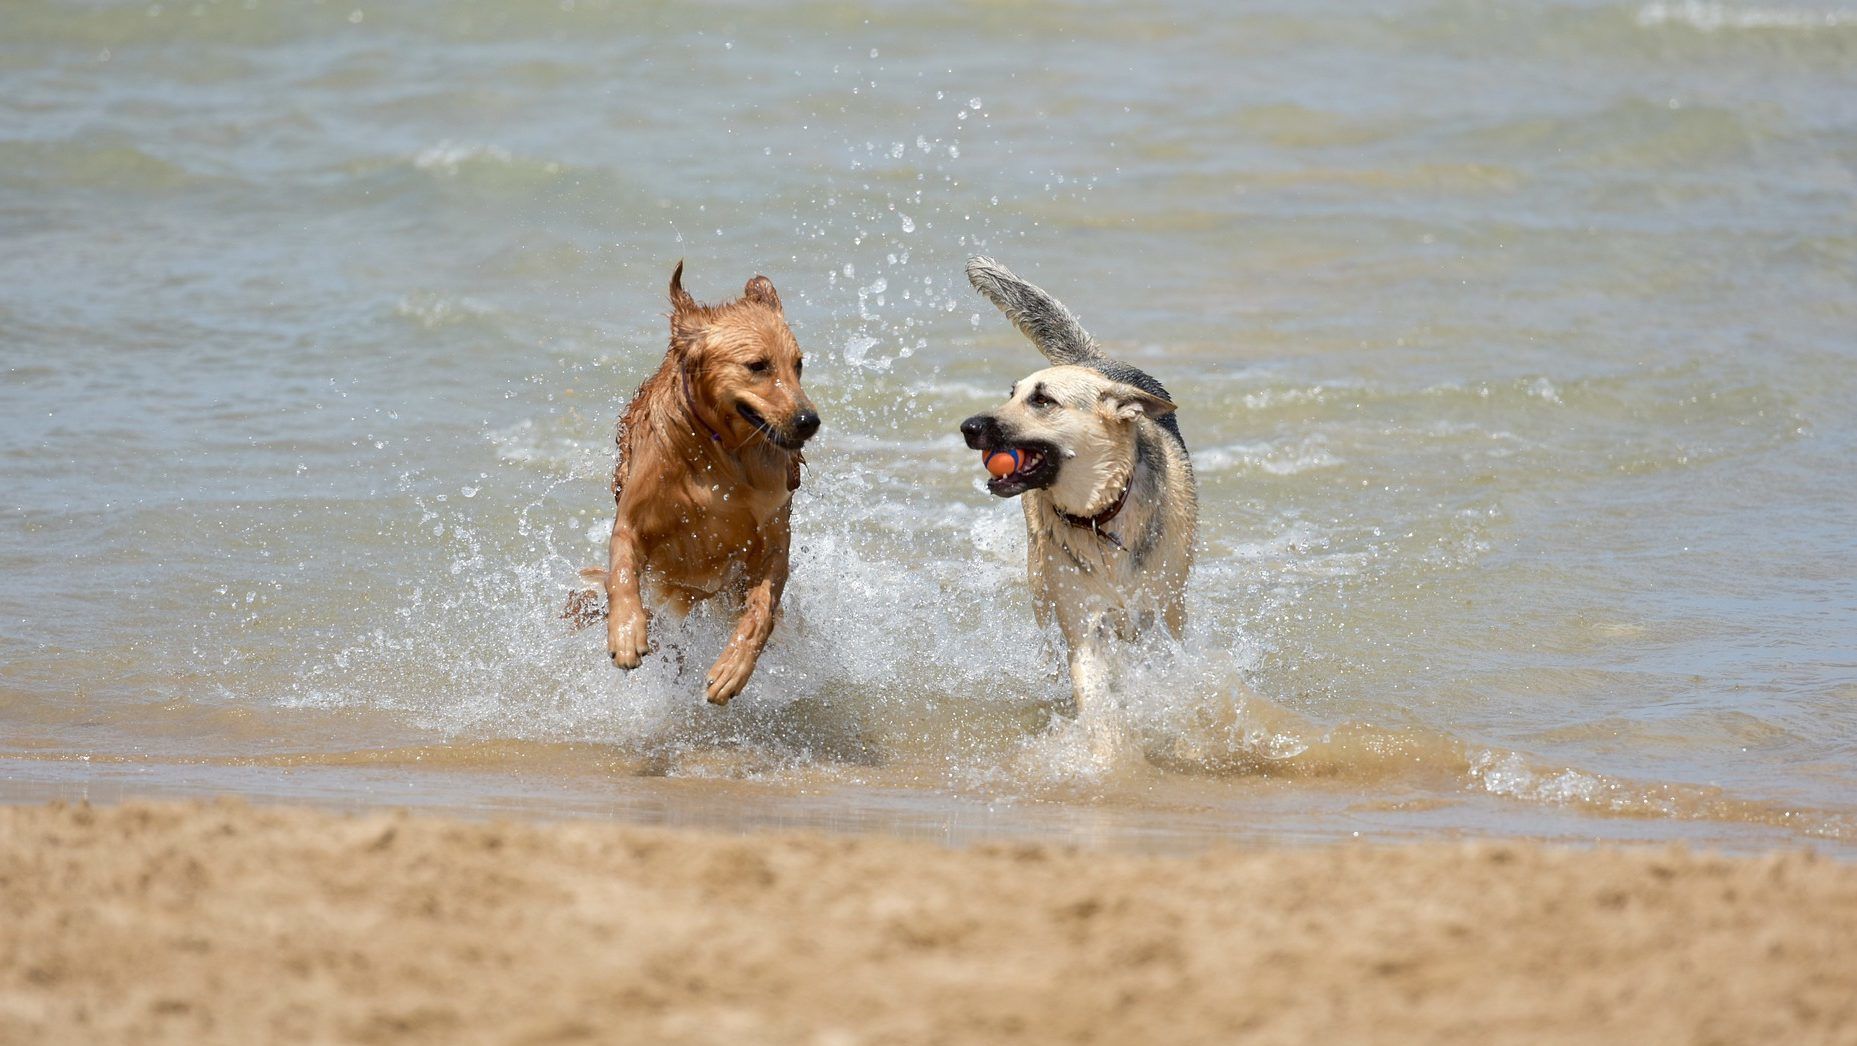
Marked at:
<point>709,458</point>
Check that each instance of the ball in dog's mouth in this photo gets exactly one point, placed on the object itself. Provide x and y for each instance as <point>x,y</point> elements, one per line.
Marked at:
<point>1006,461</point>
<point>1014,470</point>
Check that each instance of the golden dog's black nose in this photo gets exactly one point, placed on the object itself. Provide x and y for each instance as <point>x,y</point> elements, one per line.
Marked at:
<point>805,423</point>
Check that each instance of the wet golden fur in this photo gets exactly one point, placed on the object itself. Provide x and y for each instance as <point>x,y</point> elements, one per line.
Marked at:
<point>709,457</point>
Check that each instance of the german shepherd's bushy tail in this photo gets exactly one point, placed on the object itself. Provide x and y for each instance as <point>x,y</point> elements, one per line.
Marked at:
<point>1038,315</point>
<point>1056,332</point>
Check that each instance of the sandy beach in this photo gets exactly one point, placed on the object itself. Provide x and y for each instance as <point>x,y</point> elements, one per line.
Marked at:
<point>225,922</point>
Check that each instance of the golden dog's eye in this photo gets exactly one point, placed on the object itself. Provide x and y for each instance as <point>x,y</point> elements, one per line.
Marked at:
<point>798,365</point>
<point>758,367</point>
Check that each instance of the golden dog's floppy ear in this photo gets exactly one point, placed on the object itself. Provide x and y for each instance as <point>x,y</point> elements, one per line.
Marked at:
<point>1126,403</point>
<point>761,289</point>
<point>681,302</point>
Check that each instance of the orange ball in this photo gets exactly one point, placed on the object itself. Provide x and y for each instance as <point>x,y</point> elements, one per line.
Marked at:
<point>1002,462</point>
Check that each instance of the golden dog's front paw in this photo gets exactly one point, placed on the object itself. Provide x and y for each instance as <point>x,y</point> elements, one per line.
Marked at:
<point>628,638</point>
<point>730,673</point>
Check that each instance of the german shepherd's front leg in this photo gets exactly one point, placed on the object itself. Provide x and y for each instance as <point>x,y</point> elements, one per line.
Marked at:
<point>767,579</point>
<point>627,623</point>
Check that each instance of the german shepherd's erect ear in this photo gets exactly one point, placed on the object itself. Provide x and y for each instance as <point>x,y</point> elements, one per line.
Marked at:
<point>1125,402</point>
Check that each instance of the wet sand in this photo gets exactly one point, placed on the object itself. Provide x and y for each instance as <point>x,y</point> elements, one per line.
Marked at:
<point>230,923</point>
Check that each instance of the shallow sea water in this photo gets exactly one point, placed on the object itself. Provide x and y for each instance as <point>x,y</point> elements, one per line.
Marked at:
<point>1514,344</point>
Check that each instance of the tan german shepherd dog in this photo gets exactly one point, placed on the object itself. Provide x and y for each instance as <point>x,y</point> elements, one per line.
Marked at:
<point>709,458</point>
<point>1102,472</point>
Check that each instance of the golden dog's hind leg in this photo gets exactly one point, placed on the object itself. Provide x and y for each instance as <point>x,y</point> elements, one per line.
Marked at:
<point>586,605</point>
<point>627,623</point>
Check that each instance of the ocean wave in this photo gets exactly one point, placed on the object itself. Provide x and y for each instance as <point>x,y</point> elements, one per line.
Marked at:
<point>431,310</point>
<point>1284,458</point>
<point>1713,17</point>
<point>89,164</point>
<point>1511,775</point>
<point>1646,133</point>
<point>447,156</point>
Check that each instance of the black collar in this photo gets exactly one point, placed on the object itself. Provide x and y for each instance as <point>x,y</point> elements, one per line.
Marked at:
<point>1095,524</point>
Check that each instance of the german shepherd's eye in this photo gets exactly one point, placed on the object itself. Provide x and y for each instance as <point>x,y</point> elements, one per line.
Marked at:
<point>759,367</point>
<point>1040,400</point>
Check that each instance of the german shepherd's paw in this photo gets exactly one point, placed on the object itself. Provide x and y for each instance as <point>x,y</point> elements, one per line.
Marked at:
<point>628,638</point>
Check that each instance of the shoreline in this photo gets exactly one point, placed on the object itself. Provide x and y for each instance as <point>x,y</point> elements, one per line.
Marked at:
<point>227,922</point>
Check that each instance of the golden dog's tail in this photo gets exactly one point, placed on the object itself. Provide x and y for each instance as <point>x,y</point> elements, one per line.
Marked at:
<point>1037,314</point>
<point>586,605</point>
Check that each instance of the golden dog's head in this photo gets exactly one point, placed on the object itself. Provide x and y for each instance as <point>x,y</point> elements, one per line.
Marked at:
<point>742,365</point>
<point>1074,429</point>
